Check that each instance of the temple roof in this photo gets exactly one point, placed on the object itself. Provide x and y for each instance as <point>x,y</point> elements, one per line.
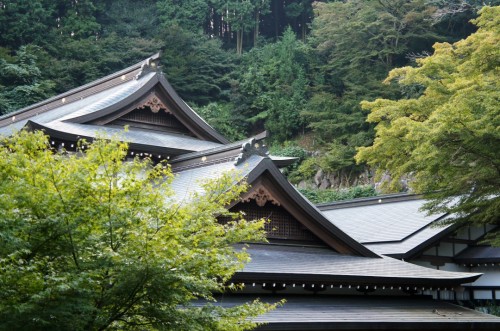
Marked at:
<point>347,262</point>
<point>365,313</point>
<point>94,108</point>
<point>285,263</point>
<point>140,139</point>
<point>259,171</point>
<point>164,125</point>
<point>391,225</point>
<point>380,222</point>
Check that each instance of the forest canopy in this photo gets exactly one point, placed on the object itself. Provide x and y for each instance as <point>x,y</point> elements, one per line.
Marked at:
<point>297,68</point>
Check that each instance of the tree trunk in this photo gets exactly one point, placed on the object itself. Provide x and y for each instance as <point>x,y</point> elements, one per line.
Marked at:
<point>256,30</point>
<point>303,26</point>
<point>276,19</point>
<point>239,41</point>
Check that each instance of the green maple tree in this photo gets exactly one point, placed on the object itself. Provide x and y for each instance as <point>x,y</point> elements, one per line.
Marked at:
<point>446,140</point>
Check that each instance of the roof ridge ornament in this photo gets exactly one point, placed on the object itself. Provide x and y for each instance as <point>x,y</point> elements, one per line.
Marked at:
<point>149,65</point>
<point>249,148</point>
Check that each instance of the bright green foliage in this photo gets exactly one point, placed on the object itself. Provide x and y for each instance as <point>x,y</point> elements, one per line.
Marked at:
<point>90,242</point>
<point>21,82</point>
<point>447,139</point>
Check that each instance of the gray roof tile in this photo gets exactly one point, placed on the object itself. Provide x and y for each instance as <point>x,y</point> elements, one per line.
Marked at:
<point>314,261</point>
<point>134,135</point>
<point>383,222</point>
<point>189,182</point>
<point>343,312</point>
<point>69,109</point>
<point>411,242</point>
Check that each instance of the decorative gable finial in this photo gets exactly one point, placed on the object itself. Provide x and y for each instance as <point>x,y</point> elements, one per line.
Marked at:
<point>249,148</point>
<point>149,65</point>
<point>261,197</point>
<point>155,104</point>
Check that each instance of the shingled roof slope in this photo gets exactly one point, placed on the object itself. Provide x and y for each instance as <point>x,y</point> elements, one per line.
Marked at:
<point>320,264</point>
<point>365,313</point>
<point>391,225</point>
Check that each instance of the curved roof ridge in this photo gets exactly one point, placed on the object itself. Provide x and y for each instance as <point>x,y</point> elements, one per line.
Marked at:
<point>358,202</point>
<point>135,68</point>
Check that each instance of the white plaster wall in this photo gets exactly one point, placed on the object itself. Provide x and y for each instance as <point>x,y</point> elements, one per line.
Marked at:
<point>490,277</point>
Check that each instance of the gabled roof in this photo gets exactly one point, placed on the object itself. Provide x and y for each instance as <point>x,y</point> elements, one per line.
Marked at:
<point>391,225</point>
<point>89,109</point>
<point>260,170</point>
<point>348,261</point>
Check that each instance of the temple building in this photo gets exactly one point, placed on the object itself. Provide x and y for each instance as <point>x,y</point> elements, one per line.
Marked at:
<point>332,279</point>
<point>395,226</point>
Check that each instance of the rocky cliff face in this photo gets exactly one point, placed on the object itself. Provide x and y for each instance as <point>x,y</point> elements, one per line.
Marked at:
<point>346,179</point>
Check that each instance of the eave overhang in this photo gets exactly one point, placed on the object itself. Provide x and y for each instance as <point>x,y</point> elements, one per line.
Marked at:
<point>93,134</point>
<point>336,280</point>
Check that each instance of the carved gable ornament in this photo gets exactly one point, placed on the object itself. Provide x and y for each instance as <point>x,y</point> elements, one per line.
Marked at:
<point>261,196</point>
<point>155,104</point>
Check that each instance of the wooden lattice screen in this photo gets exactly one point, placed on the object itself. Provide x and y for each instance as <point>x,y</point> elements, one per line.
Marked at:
<point>282,225</point>
<point>148,119</point>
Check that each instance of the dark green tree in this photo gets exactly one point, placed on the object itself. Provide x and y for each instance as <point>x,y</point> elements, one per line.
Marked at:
<point>271,87</point>
<point>220,116</point>
<point>357,43</point>
<point>191,15</point>
<point>130,18</point>
<point>195,65</point>
<point>25,21</point>
<point>242,16</point>
<point>21,82</point>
